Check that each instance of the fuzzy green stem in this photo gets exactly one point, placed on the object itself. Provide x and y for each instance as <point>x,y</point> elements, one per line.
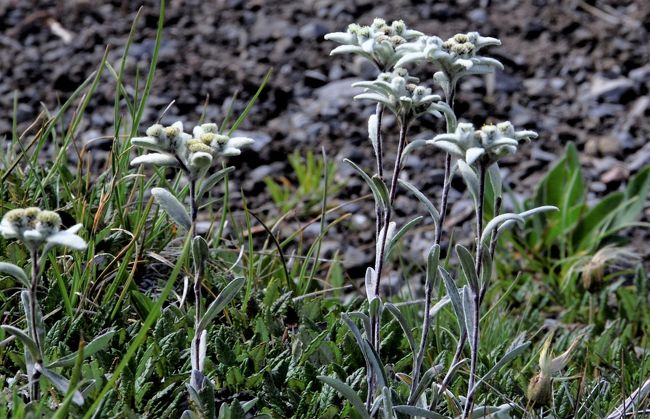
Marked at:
<point>198,274</point>
<point>476,295</point>
<point>33,326</point>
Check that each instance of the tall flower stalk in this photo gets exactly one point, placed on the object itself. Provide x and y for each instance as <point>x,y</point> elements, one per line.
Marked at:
<point>193,155</point>
<point>39,231</point>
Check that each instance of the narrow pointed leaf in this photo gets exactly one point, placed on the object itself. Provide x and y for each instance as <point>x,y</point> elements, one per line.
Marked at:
<point>347,392</point>
<point>61,384</point>
<point>96,345</point>
<point>208,184</point>
<point>413,411</point>
<point>16,272</point>
<point>468,266</point>
<point>435,215</point>
<point>454,296</point>
<point>23,338</point>
<point>172,206</point>
<point>394,241</point>
<point>229,292</point>
<point>395,311</point>
<point>371,184</point>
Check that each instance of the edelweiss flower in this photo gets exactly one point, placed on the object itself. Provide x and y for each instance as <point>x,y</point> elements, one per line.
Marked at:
<point>34,227</point>
<point>487,145</point>
<point>193,153</point>
<point>456,57</point>
<point>400,93</point>
<point>377,42</point>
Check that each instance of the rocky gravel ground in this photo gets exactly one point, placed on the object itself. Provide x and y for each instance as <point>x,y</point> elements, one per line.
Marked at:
<point>574,71</point>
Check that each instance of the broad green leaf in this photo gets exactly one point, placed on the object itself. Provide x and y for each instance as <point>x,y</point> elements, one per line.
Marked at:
<point>433,212</point>
<point>16,272</point>
<point>636,193</point>
<point>172,206</point>
<point>229,292</point>
<point>347,392</point>
<point>597,218</point>
<point>98,344</point>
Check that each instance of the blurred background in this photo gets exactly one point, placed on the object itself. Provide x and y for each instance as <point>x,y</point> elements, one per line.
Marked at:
<point>575,71</point>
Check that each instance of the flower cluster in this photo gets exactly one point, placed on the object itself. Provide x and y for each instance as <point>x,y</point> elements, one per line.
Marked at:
<point>378,42</point>
<point>400,93</point>
<point>486,145</point>
<point>192,153</point>
<point>34,227</point>
<point>456,57</point>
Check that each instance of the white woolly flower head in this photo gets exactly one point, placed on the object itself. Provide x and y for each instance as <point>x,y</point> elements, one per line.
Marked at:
<point>35,227</point>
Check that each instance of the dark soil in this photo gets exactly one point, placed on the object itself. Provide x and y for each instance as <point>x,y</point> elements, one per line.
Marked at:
<point>574,71</point>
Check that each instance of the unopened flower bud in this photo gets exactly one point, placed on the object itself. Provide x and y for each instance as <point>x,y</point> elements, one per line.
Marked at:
<point>155,130</point>
<point>540,391</point>
<point>172,131</point>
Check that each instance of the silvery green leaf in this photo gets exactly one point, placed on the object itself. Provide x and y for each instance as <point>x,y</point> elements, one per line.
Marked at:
<point>413,145</point>
<point>449,147</point>
<point>376,307</point>
<point>394,240</point>
<point>496,412</point>
<point>345,49</point>
<point>395,311</point>
<point>413,411</point>
<point>468,308</point>
<point>376,97</point>
<point>439,306</point>
<point>203,348</point>
<point>67,239</point>
<point>388,403</point>
<point>200,252</point>
<point>364,319</point>
<point>433,259</point>
<point>435,215</point>
<point>368,45</point>
<point>155,159</point>
<point>454,296</point>
<point>22,337</point>
<point>425,382</point>
<point>341,37</point>
<point>473,153</point>
<point>509,356</point>
<point>468,267</point>
<point>16,272</point>
<point>375,362</point>
<point>382,189</point>
<point>371,283</point>
<point>494,177</point>
<point>211,182</point>
<point>96,345</point>
<point>170,204</point>
<point>357,333</point>
<point>538,210</point>
<point>373,132</point>
<point>471,180</point>
<point>504,226</point>
<point>496,221</point>
<point>409,58</point>
<point>26,300</point>
<point>148,143</point>
<point>61,384</point>
<point>379,199</point>
<point>225,296</point>
<point>347,392</point>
